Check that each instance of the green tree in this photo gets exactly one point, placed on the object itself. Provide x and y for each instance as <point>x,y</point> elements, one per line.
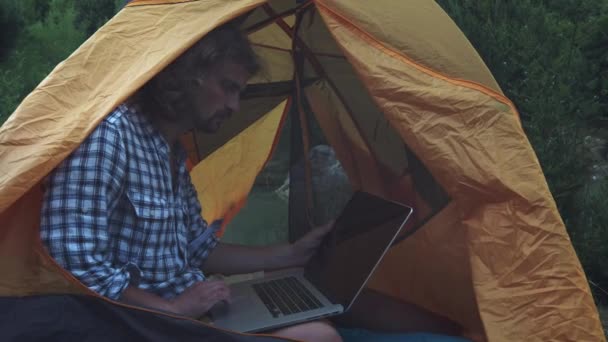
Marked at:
<point>35,35</point>
<point>550,58</point>
<point>10,24</point>
<point>594,47</point>
<point>91,14</point>
<point>40,45</point>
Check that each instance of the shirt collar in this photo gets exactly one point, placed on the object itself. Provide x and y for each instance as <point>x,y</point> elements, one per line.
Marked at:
<point>160,142</point>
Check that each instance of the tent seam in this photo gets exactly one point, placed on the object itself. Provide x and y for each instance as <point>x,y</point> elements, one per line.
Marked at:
<point>136,3</point>
<point>399,55</point>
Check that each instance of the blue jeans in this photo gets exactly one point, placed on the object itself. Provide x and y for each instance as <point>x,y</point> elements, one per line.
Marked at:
<point>362,335</point>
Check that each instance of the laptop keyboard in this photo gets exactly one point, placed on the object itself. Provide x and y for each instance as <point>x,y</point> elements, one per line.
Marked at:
<point>286,296</point>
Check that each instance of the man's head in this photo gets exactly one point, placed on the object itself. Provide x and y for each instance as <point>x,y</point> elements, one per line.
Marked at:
<point>202,87</point>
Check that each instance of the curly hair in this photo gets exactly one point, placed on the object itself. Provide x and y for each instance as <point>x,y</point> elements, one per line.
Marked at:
<point>168,92</point>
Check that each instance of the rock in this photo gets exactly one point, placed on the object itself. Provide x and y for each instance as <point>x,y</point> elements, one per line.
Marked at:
<point>331,187</point>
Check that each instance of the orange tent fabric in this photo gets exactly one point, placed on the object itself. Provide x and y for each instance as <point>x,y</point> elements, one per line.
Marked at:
<point>411,111</point>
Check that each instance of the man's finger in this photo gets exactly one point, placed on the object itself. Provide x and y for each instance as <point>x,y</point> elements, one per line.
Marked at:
<point>221,288</point>
<point>209,286</point>
<point>220,294</point>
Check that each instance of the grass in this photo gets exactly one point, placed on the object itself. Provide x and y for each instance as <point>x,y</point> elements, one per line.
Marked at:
<point>262,221</point>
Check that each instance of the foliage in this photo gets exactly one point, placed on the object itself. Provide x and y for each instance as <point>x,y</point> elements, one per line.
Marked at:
<point>550,58</point>
<point>93,13</point>
<point>9,26</point>
<point>36,35</point>
<point>595,49</point>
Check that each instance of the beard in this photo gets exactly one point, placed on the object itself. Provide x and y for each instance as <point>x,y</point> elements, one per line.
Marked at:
<point>214,123</point>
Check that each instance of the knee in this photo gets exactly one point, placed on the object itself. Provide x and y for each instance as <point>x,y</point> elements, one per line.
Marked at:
<point>311,332</point>
<point>324,331</point>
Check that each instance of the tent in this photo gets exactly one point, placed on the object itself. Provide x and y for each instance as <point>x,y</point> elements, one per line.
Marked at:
<point>410,110</point>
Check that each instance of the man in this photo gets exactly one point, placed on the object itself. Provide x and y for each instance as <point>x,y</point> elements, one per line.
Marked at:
<point>121,213</point>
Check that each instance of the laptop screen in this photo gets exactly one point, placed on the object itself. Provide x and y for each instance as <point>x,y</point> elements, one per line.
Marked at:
<point>350,252</point>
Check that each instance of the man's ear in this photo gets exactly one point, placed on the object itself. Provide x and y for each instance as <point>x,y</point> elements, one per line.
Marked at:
<point>170,100</point>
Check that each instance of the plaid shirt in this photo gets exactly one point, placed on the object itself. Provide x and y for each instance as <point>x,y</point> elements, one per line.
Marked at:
<point>113,217</point>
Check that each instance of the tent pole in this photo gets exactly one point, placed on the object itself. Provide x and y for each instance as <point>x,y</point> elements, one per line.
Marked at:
<point>274,17</point>
<point>298,62</point>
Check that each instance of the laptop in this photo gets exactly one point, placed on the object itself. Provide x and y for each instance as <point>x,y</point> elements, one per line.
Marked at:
<point>329,283</point>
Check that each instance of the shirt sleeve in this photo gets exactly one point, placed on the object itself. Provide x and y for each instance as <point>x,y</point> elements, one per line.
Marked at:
<point>80,195</point>
<point>202,237</point>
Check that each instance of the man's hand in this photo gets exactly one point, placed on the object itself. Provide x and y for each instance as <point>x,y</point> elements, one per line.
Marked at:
<point>200,298</point>
<point>235,259</point>
<point>303,249</point>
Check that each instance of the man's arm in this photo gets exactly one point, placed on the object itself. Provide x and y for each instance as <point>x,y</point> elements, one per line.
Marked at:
<point>235,259</point>
<point>80,195</point>
<point>206,252</point>
<point>134,296</point>
<point>194,302</point>
<point>231,259</point>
